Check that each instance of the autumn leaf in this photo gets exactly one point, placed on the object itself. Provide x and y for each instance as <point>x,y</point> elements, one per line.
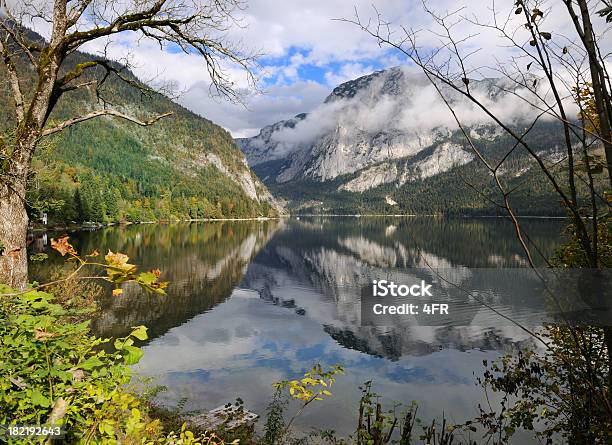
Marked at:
<point>117,292</point>
<point>119,269</point>
<point>40,334</point>
<point>119,260</point>
<point>63,246</point>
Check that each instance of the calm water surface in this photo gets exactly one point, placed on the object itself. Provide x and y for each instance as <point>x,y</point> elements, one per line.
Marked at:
<point>252,303</point>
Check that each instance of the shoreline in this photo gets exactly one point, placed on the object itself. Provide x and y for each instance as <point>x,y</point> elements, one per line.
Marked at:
<point>98,226</point>
<point>424,215</point>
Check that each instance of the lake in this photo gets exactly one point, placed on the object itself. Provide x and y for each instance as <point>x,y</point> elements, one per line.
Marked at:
<point>254,302</point>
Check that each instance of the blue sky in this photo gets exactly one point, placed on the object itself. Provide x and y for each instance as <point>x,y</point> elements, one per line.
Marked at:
<point>325,73</point>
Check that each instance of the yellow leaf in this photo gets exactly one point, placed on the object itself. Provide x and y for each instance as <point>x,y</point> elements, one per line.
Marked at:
<point>116,259</point>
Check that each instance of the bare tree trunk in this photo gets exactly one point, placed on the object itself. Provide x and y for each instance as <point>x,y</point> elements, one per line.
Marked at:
<point>13,233</point>
<point>598,75</point>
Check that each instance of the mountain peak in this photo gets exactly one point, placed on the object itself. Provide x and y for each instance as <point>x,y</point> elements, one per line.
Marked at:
<point>390,78</point>
<point>380,131</point>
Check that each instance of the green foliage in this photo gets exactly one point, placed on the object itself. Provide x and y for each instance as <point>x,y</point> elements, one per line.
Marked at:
<point>376,426</point>
<point>572,254</point>
<point>186,437</point>
<point>564,389</point>
<point>561,392</point>
<point>50,364</point>
<point>84,194</point>
<point>308,389</point>
<point>54,372</point>
<point>275,420</point>
<point>380,426</point>
<point>313,386</point>
<point>52,368</point>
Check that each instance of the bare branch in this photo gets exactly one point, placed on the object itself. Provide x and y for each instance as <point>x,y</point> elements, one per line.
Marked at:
<point>408,46</point>
<point>194,30</point>
<point>77,11</point>
<point>79,86</point>
<point>98,113</point>
<point>17,37</point>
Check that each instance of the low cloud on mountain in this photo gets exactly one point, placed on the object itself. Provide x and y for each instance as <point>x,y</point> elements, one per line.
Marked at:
<point>404,101</point>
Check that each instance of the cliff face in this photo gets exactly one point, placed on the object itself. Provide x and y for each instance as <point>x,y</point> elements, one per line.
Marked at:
<point>386,129</point>
<point>363,122</point>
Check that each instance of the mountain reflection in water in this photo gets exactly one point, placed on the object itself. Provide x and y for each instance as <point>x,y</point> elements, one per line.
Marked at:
<point>251,303</point>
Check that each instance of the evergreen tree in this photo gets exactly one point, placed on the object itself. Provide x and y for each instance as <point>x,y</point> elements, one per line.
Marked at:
<point>111,201</point>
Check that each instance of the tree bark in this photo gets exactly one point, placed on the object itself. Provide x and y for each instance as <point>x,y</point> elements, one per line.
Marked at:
<point>601,94</point>
<point>13,214</point>
<point>13,235</point>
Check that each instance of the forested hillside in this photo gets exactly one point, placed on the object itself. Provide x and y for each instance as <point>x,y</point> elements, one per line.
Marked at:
<point>108,169</point>
<point>462,190</point>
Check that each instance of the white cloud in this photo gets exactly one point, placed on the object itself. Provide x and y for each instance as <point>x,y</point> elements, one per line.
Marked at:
<point>347,72</point>
<point>277,102</point>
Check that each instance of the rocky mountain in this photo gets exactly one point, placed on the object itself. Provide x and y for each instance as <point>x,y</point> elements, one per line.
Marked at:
<point>383,136</point>
<point>108,169</point>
